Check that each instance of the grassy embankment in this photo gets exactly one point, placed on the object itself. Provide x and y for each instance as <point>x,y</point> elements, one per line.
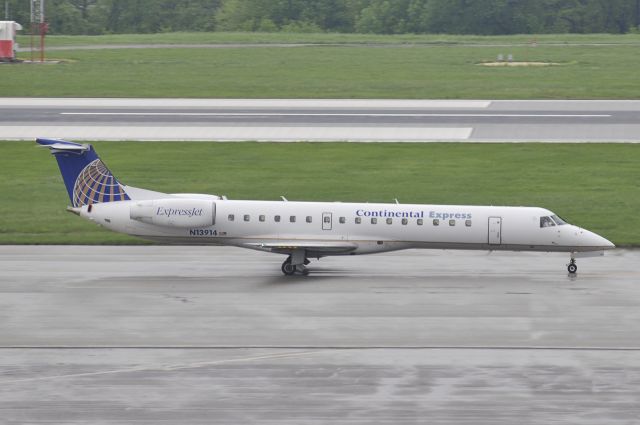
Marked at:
<point>425,69</point>
<point>594,185</point>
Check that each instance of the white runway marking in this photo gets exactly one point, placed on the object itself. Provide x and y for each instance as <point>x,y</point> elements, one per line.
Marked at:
<point>236,133</point>
<point>164,368</point>
<point>321,114</point>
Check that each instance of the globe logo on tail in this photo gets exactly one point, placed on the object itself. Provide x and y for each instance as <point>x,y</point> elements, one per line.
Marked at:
<point>96,184</point>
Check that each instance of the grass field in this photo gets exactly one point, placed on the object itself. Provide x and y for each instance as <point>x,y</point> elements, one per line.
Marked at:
<point>244,37</point>
<point>595,186</point>
<point>415,71</point>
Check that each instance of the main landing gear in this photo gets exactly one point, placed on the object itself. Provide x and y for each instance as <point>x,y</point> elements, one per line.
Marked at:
<point>291,267</point>
<point>572,267</point>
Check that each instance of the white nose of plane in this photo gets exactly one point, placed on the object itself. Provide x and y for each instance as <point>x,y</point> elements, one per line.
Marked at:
<point>593,240</point>
<point>601,242</point>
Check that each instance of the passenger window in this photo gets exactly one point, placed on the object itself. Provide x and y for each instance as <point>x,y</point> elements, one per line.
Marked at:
<point>358,220</point>
<point>231,217</point>
<point>436,222</point>
<point>309,219</point>
<point>420,222</point>
<point>261,218</point>
<point>276,218</point>
<point>467,223</point>
<point>374,220</point>
<point>342,220</point>
<point>389,220</point>
<point>546,222</point>
<point>452,222</point>
<point>405,221</point>
<point>246,217</point>
<point>292,218</point>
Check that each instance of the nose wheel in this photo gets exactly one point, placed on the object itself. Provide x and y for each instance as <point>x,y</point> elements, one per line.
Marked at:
<point>572,267</point>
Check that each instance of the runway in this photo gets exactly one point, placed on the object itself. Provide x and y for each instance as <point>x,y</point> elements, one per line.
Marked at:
<point>217,335</point>
<point>320,120</point>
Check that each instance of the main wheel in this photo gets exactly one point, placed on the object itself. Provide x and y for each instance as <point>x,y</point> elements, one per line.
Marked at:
<point>288,268</point>
<point>572,268</point>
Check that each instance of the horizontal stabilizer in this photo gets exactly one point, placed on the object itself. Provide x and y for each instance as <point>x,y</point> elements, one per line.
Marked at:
<point>62,145</point>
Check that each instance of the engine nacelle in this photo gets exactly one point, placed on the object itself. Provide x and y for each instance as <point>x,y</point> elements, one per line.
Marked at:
<point>175,212</point>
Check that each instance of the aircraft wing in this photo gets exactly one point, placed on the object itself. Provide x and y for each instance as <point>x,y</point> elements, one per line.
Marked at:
<point>286,247</point>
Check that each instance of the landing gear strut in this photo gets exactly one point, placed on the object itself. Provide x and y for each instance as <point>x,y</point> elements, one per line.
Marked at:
<point>572,267</point>
<point>289,268</point>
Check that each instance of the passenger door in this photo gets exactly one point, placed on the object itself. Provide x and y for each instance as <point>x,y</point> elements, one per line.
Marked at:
<point>495,230</point>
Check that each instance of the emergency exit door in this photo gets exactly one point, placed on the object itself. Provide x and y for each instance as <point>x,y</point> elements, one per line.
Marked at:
<point>495,230</point>
<point>326,221</point>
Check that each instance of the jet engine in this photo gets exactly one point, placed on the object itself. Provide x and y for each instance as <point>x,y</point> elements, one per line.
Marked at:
<point>175,212</point>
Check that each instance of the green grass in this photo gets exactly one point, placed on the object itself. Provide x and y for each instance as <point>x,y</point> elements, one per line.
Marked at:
<point>330,38</point>
<point>422,72</point>
<point>593,185</point>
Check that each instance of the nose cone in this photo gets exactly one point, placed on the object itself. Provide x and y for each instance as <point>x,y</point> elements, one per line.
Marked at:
<point>597,241</point>
<point>583,240</point>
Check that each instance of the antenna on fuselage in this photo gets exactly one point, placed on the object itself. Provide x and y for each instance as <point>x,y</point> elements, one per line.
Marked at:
<point>396,199</point>
<point>284,199</point>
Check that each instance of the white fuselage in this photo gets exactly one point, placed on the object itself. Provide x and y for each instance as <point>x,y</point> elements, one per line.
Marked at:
<point>335,228</point>
<point>304,230</point>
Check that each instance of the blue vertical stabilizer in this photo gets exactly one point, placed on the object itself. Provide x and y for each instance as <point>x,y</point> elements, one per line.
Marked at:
<point>87,179</point>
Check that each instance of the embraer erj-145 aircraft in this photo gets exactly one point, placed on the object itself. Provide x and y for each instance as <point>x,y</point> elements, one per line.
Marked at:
<point>303,230</point>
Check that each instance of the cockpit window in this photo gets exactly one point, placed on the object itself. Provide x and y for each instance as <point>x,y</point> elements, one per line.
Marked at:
<point>558,220</point>
<point>546,222</point>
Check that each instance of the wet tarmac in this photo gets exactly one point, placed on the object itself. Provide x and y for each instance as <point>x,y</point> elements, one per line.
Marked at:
<point>217,335</point>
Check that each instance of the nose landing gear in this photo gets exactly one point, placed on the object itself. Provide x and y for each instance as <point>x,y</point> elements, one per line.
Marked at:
<point>572,267</point>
